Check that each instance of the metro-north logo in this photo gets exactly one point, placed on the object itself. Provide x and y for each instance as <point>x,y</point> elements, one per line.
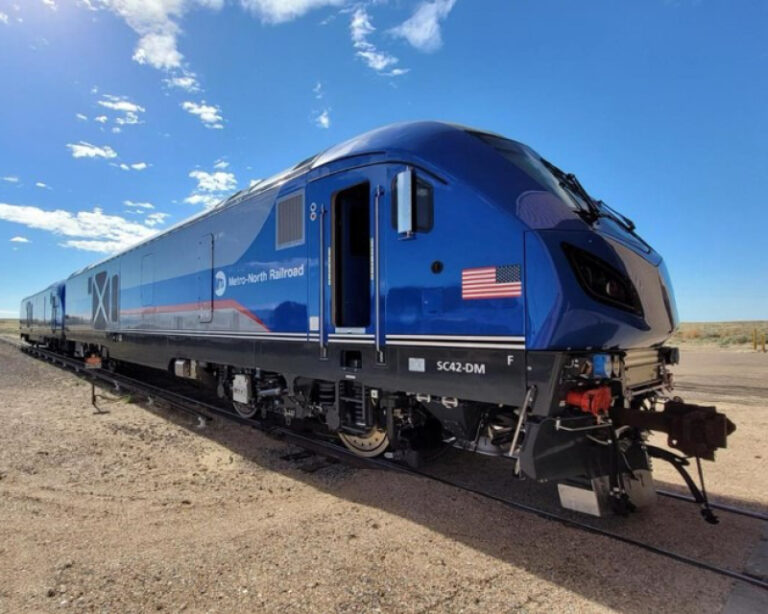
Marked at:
<point>220,283</point>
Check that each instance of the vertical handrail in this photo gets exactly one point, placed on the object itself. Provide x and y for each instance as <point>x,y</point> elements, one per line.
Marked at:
<point>530,394</point>
<point>321,263</point>
<point>376,279</point>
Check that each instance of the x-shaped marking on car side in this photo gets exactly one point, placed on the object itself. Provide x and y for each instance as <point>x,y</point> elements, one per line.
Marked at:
<point>100,291</point>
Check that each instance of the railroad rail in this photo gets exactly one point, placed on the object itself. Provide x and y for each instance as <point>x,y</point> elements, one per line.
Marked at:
<point>205,410</point>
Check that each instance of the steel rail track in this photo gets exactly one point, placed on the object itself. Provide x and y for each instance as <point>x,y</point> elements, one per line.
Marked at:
<point>204,409</point>
<point>717,506</point>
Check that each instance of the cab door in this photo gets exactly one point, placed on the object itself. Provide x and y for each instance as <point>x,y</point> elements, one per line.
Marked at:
<point>345,215</point>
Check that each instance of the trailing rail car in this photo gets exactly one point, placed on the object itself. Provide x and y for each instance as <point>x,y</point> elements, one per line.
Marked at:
<point>41,319</point>
<point>421,285</point>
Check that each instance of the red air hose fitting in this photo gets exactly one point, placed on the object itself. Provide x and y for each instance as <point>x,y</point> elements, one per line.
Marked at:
<point>591,401</point>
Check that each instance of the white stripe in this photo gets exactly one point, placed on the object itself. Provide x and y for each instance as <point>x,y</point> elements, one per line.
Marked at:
<point>212,332</point>
<point>349,336</point>
<point>358,341</point>
<point>460,345</point>
<point>489,338</point>
<point>219,334</point>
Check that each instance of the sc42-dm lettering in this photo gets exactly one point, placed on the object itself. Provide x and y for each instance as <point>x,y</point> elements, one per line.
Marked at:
<point>421,285</point>
<point>461,367</point>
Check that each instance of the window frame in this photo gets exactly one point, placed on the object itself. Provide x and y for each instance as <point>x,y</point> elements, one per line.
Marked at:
<point>418,179</point>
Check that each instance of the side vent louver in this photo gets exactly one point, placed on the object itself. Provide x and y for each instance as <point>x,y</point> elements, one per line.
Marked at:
<point>290,221</point>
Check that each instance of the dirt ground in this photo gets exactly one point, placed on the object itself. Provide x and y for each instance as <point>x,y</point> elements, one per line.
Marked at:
<point>143,509</point>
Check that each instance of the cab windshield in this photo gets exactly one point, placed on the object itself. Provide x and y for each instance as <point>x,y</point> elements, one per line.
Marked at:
<point>531,164</point>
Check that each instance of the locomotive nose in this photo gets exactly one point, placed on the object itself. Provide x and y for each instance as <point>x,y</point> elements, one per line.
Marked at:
<point>586,290</point>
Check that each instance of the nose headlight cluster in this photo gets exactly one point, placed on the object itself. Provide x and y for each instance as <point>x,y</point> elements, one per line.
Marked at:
<point>602,281</point>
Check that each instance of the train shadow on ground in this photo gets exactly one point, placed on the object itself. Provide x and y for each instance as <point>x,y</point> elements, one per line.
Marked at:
<point>603,570</point>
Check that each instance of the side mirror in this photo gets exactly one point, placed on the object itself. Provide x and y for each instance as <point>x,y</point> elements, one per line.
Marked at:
<point>405,203</point>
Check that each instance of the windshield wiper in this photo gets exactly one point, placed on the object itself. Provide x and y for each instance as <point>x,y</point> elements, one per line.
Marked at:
<point>573,185</point>
<point>615,215</point>
<point>595,208</point>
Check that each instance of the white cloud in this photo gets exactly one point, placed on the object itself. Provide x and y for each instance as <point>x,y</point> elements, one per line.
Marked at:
<point>128,119</point>
<point>130,203</point>
<point>158,49</point>
<point>11,179</point>
<point>51,4</point>
<point>279,11</point>
<point>360,28</point>
<point>120,103</point>
<point>209,200</point>
<point>218,181</point>
<point>318,90</point>
<point>136,166</point>
<point>129,111</point>
<point>186,81</point>
<point>81,117</point>
<point>210,115</point>
<point>102,119</point>
<point>86,150</point>
<point>324,119</point>
<point>155,21</point>
<point>19,240</point>
<point>102,247</point>
<point>377,60</point>
<point>4,18</point>
<point>42,185</point>
<point>211,187</point>
<point>156,219</point>
<point>89,230</point>
<point>422,29</point>
<point>220,164</point>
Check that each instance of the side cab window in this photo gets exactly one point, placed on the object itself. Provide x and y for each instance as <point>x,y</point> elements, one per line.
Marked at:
<point>423,202</point>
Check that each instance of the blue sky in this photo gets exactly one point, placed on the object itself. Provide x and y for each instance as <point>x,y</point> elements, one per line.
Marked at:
<point>122,117</point>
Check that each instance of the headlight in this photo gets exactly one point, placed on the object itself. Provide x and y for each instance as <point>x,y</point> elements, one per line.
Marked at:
<point>602,281</point>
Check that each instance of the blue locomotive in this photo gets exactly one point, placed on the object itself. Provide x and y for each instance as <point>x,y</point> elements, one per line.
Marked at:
<point>420,285</point>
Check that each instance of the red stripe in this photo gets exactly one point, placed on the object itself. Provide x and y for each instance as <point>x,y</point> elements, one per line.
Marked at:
<point>217,304</point>
<point>508,284</point>
<point>504,291</point>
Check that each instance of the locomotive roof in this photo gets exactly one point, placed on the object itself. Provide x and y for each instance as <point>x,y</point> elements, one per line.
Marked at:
<point>48,288</point>
<point>409,138</point>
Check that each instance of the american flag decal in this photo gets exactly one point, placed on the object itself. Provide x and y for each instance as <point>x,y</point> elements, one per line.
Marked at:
<point>491,282</point>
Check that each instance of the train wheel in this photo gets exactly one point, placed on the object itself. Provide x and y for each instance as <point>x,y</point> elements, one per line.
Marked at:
<point>371,444</point>
<point>243,410</point>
